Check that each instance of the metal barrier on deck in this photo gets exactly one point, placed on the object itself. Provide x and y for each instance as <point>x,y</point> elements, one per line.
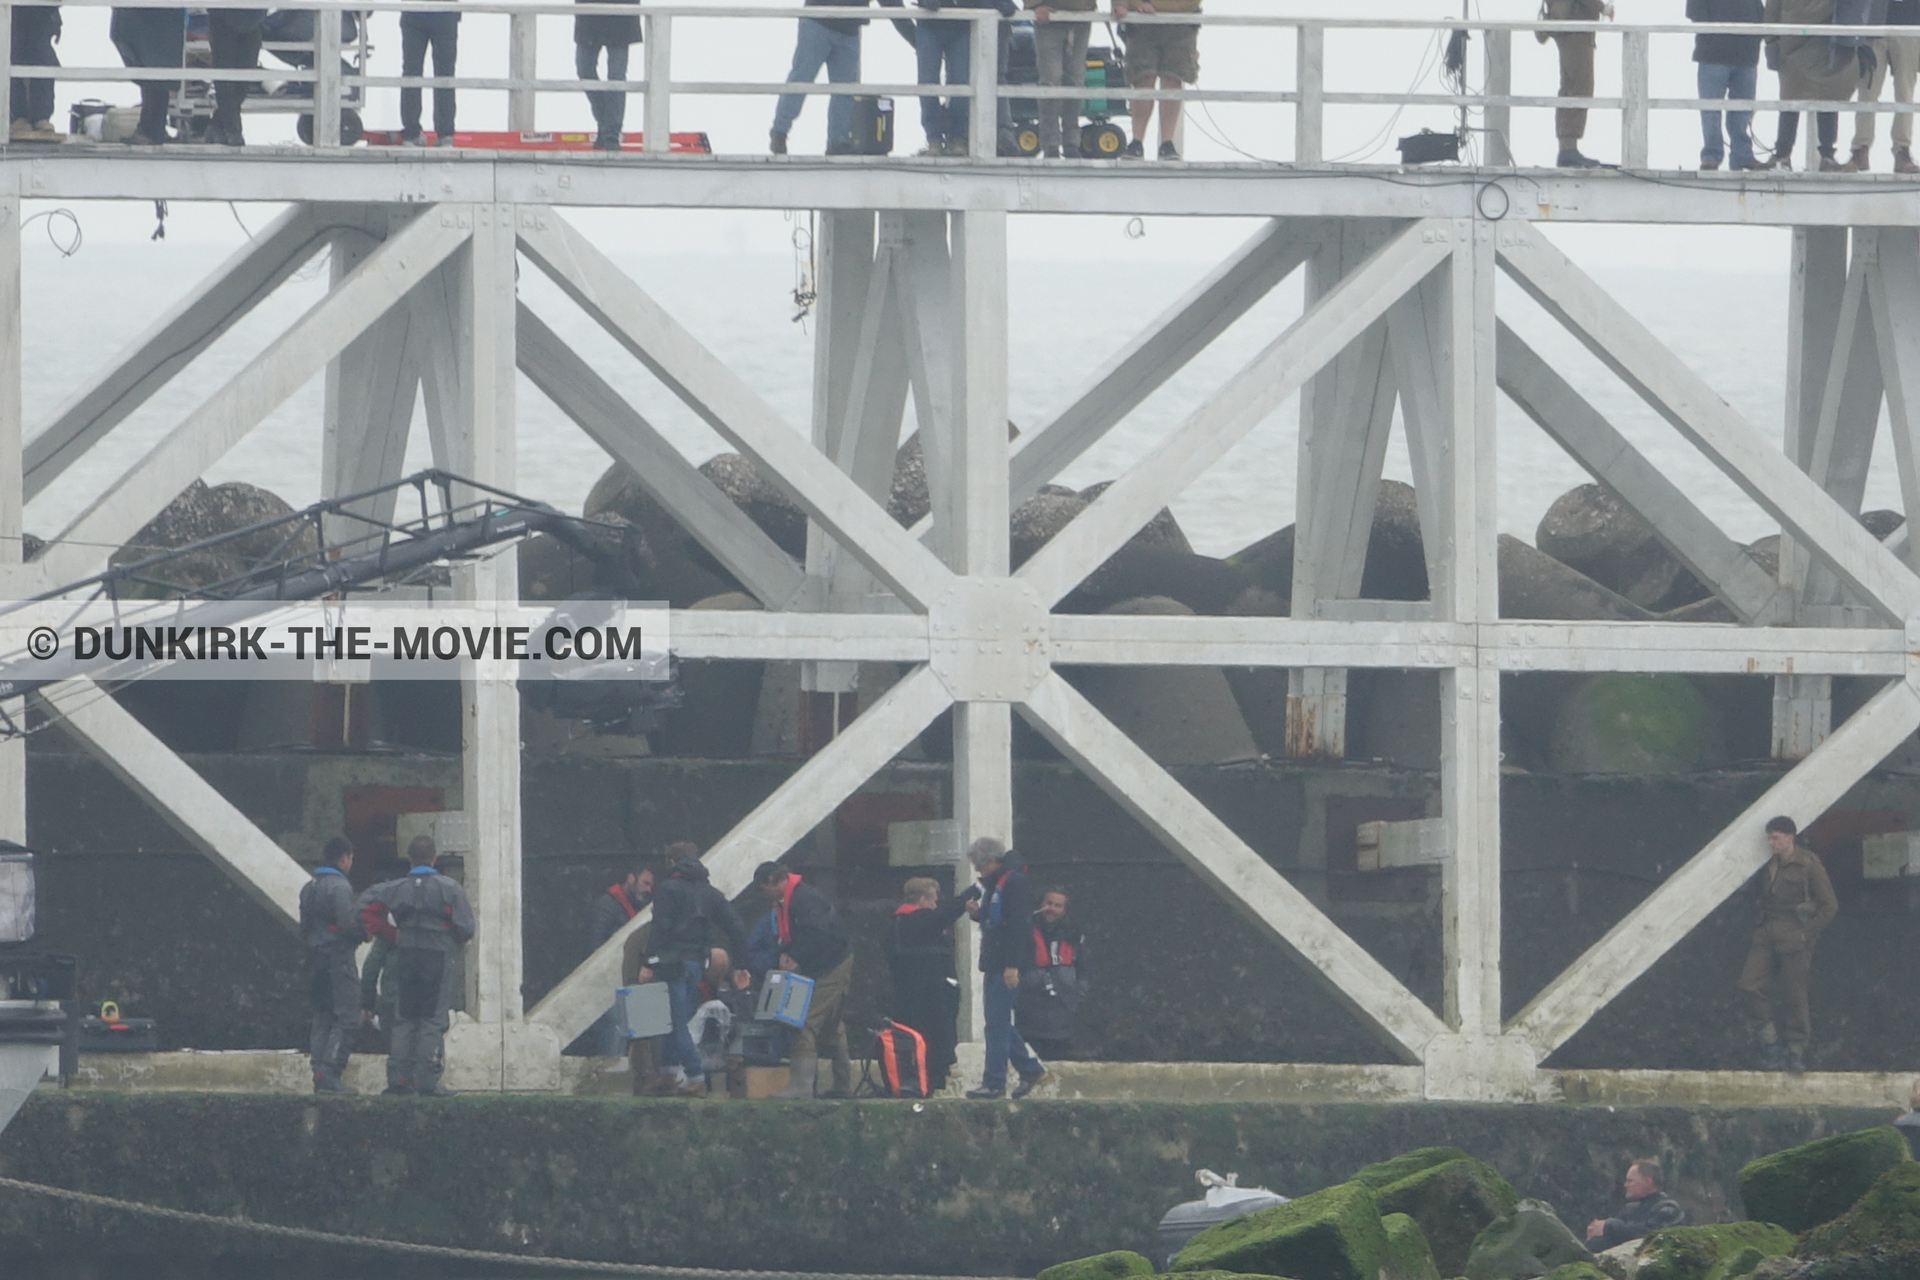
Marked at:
<point>1308,100</point>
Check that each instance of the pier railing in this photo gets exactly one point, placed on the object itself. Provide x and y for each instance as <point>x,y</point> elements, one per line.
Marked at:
<point>1307,100</point>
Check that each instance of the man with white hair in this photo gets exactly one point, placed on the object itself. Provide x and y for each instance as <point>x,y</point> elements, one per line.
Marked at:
<point>1004,913</point>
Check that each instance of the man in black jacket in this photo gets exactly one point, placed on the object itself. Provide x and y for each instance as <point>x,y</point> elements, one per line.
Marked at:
<point>1729,68</point>
<point>1648,1209</point>
<point>609,911</point>
<point>1052,992</point>
<point>1004,911</point>
<point>947,42</point>
<point>690,918</point>
<point>813,944</point>
<point>926,993</point>
<point>330,926</point>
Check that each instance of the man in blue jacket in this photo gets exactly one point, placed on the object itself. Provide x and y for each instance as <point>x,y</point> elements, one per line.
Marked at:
<point>1004,912</point>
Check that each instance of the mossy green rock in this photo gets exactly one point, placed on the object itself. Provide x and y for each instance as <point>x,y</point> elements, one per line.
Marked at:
<point>1577,1271</point>
<point>1453,1201</point>
<point>1117,1265</point>
<point>1333,1234</point>
<point>1408,1257</point>
<point>1530,1241</point>
<point>1802,1187</point>
<point>1717,1251</point>
<point>1225,1275</point>
<point>1388,1172</point>
<point>1888,1214</point>
<point>1623,722</point>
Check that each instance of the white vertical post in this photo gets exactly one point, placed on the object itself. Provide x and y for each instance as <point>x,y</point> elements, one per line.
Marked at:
<point>6,65</point>
<point>1308,123</point>
<point>490,756</point>
<point>1817,291</point>
<point>326,88</point>
<point>658,103</point>
<point>977,540</point>
<point>523,63</point>
<point>13,751</point>
<point>1470,694</point>
<point>1635,59</point>
<point>1499,85</point>
<point>983,109</point>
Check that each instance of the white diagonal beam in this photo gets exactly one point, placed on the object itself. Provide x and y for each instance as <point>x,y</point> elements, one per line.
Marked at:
<point>1307,346</point>
<point>231,412</point>
<point>1609,457</point>
<point>779,822</point>
<point>706,513</point>
<point>1145,790</point>
<point>1718,871</point>
<point>1161,350</point>
<point>144,365</point>
<point>1764,473</point>
<point>732,408</point>
<point>1894,292</point>
<point>188,802</point>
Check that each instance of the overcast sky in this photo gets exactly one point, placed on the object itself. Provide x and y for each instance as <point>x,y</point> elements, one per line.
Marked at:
<point>755,50</point>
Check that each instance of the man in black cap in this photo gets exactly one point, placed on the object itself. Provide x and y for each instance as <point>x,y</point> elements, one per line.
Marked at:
<point>431,920</point>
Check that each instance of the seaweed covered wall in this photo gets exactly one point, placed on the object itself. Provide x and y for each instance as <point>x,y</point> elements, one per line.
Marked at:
<point>944,1187</point>
<point>1180,975</point>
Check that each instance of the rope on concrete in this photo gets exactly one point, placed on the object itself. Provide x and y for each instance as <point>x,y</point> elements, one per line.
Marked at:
<point>311,1236</point>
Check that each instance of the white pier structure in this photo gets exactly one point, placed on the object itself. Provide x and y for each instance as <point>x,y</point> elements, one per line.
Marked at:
<point>1400,268</point>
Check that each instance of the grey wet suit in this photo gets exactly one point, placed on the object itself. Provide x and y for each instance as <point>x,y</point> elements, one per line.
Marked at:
<point>434,920</point>
<point>330,927</point>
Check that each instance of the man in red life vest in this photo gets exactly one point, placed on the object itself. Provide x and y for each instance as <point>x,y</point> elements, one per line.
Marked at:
<point>1052,992</point>
<point>814,944</point>
<point>606,915</point>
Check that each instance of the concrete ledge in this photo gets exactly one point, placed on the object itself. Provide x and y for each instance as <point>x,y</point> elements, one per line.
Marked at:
<point>1300,1083</point>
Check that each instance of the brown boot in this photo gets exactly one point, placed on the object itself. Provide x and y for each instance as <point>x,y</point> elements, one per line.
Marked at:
<point>1779,160</point>
<point>1903,161</point>
<point>1856,163</point>
<point>1829,165</point>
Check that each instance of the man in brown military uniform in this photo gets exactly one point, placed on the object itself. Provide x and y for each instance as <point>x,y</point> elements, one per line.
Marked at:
<point>1576,72</point>
<point>1795,903</point>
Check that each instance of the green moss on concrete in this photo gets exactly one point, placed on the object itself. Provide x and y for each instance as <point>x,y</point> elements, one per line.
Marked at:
<point>1333,1234</point>
<point>1716,1251</point>
<point>1387,1172</point>
<point>1453,1202</point>
<point>1117,1265</point>
<point>1530,1241</point>
<point>1805,1186</point>
<point>1888,1214</point>
<point>1629,723</point>
<point>1225,1275</point>
<point>1577,1271</point>
<point>1408,1257</point>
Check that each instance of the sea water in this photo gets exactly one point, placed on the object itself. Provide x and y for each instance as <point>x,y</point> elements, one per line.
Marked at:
<point>1067,319</point>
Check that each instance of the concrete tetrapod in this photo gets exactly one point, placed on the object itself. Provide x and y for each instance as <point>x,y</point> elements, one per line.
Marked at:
<point>1715,1251</point>
<point>1408,1257</point>
<point>1530,1241</point>
<point>1453,1202</point>
<point>1805,1186</point>
<point>1333,1234</point>
<point>1886,1219</point>
<point>1117,1265</point>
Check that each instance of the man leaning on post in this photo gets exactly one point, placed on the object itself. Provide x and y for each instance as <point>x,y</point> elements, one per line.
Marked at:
<point>1795,903</point>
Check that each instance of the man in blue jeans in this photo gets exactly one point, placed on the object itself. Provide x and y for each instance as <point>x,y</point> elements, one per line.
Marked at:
<point>690,918</point>
<point>833,43</point>
<point>948,43</point>
<point>1004,913</point>
<point>1729,68</point>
